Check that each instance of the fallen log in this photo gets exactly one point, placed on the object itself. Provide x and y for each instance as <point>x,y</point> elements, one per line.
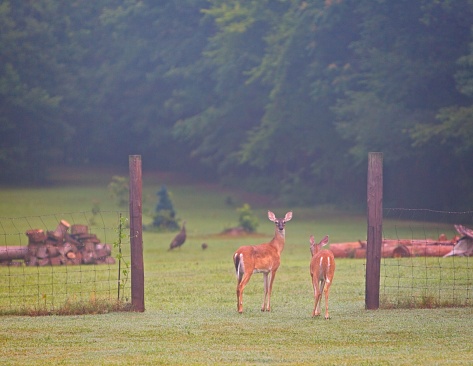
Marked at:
<point>429,250</point>
<point>393,248</point>
<point>346,250</point>
<point>9,253</point>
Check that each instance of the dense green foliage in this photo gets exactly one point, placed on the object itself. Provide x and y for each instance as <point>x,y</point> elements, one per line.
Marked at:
<point>285,97</point>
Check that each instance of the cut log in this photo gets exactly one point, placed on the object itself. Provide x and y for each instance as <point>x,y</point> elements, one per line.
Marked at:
<point>73,261</point>
<point>61,229</point>
<point>400,251</point>
<point>429,250</point>
<point>89,246</point>
<point>88,258</point>
<point>346,250</point>
<point>395,250</point>
<point>359,253</point>
<point>78,257</point>
<point>83,237</point>
<point>33,261</point>
<point>66,248</point>
<point>42,252</point>
<point>13,252</point>
<point>52,250</point>
<point>102,250</point>
<point>70,238</point>
<point>35,236</point>
<point>56,261</point>
<point>79,229</point>
<point>32,250</point>
<point>43,262</point>
<point>59,247</point>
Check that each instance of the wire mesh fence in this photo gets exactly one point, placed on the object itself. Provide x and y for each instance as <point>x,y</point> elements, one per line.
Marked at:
<point>67,275</point>
<point>423,278</point>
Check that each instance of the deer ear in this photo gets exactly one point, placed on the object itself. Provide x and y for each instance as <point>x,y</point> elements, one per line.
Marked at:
<point>288,216</point>
<point>312,240</point>
<point>324,241</point>
<point>271,216</point>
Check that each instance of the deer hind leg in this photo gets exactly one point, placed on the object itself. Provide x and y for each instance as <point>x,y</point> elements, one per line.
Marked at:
<point>314,312</point>
<point>240,272</point>
<point>318,288</point>
<point>240,286</point>
<point>326,292</point>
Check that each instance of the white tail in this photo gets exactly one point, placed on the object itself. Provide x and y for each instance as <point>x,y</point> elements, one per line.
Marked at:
<point>322,268</point>
<point>263,258</point>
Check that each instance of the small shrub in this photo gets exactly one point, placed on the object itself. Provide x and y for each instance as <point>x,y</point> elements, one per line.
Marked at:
<point>247,219</point>
<point>118,189</point>
<point>95,211</point>
<point>165,216</point>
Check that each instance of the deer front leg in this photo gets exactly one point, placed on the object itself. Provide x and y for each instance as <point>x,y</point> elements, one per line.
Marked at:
<point>266,285</point>
<point>271,275</point>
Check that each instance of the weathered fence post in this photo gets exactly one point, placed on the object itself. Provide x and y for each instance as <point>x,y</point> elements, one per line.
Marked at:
<point>136,234</point>
<point>375,228</point>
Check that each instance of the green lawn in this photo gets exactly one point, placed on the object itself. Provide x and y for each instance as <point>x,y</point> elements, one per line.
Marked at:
<point>191,315</point>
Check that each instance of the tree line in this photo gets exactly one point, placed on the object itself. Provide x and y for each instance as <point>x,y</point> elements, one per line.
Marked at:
<point>282,97</point>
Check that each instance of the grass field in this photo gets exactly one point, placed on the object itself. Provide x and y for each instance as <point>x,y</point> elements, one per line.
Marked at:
<point>191,315</point>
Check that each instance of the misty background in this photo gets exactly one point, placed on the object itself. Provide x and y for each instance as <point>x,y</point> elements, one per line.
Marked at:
<point>283,97</point>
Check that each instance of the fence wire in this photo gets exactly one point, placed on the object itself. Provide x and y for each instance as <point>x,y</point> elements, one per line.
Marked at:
<point>50,288</point>
<point>425,279</point>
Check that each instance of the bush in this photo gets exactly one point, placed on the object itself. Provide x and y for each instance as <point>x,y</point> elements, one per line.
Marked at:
<point>118,189</point>
<point>248,221</point>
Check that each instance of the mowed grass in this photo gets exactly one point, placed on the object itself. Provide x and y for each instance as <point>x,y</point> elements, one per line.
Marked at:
<point>191,315</point>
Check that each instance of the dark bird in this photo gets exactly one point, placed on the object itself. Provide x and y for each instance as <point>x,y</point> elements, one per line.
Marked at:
<point>180,238</point>
<point>464,245</point>
<point>204,246</point>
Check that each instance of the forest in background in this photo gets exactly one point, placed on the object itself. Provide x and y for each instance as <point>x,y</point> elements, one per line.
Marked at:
<point>281,97</point>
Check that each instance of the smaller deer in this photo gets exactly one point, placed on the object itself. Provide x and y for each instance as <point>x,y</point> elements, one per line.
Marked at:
<point>263,258</point>
<point>322,268</point>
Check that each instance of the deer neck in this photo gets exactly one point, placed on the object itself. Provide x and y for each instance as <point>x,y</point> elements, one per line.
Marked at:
<point>279,240</point>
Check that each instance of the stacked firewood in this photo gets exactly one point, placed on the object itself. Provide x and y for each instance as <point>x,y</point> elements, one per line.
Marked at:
<point>59,247</point>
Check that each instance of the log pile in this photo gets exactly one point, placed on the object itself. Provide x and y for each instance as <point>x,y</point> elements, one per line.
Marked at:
<point>396,248</point>
<point>59,247</point>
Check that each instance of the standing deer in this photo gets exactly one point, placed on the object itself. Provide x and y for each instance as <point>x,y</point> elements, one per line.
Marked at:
<point>322,268</point>
<point>263,258</point>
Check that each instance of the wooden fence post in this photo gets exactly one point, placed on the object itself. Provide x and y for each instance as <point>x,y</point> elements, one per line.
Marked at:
<point>136,234</point>
<point>375,228</point>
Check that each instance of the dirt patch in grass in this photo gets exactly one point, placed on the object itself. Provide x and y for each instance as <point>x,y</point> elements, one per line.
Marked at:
<point>235,231</point>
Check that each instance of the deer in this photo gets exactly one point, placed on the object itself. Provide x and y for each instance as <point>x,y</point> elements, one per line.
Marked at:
<point>263,258</point>
<point>322,269</point>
